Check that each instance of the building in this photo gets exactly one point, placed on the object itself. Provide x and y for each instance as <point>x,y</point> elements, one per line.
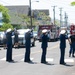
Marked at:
<point>16,11</point>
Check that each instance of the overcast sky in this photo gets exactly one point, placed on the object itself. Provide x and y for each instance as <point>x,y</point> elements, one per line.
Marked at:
<point>47,4</point>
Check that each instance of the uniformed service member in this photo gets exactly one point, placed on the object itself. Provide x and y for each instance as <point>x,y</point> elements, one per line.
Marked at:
<point>9,45</point>
<point>44,45</point>
<point>62,46</point>
<point>28,37</point>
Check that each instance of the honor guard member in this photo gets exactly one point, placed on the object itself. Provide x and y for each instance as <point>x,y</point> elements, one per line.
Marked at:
<point>28,37</point>
<point>44,45</point>
<point>9,45</point>
<point>72,44</point>
<point>62,46</point>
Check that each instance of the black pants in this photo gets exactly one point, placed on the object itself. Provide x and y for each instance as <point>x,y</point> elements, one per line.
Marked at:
<point>62,55</point>
<point>27,54</point>
<point>9,53</point>
<point>43,57</point>
<point>72,48</point>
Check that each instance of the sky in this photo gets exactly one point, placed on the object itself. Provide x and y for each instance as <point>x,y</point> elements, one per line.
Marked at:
<point>48,4</point>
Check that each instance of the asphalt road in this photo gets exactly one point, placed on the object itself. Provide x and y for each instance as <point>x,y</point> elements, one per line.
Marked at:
<point>19,67</point>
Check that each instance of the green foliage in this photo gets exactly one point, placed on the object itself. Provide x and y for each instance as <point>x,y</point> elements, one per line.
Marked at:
<point>73,3</point>
<point>45,18</point>
<point>17,26</point>
<point>5,26</point>
<point>26,19</point>
<point>6,17</point>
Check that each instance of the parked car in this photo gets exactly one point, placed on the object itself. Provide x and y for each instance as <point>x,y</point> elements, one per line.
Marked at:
<point>21,37</point>
<point>1,37</point>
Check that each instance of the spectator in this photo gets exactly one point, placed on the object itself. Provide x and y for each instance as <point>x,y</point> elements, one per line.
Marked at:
<point>72,44</point>
<point>16,44</point>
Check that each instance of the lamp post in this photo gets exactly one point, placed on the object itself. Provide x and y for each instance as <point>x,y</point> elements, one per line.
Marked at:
<point>31,12</point>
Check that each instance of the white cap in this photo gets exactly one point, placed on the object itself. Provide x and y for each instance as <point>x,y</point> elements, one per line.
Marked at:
<point>44,31</point>
<point>8,30</point>
<point>62,32</point>
<point>28,30</point>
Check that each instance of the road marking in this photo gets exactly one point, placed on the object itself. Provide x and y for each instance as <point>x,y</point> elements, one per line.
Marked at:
<point>69,60</point>
<point>39,50</point>
<point>53,47</point>
<point>30,59</point>
<point>47,49</point>
<point>3,58</point>
<point>49,59</point>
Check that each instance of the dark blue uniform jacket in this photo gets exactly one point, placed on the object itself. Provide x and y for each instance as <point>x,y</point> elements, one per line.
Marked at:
<point>28,39</point>
<point>9,38</point>
<point>44,39</point>
<point>62,41</point>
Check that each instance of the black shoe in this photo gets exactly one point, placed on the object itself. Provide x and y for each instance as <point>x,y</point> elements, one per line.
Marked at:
<point>10,60</point>
<point>45,62</point>
<point>63,63</point>
<point>73,56</point>
<point>28,61</point>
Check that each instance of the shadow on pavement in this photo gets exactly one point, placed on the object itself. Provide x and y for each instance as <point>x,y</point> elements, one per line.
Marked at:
<point>47,63</point>
<point>68,65</point>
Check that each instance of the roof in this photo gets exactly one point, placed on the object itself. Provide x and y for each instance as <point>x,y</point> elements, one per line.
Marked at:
<point>19,9</point>
<point>15,11</point>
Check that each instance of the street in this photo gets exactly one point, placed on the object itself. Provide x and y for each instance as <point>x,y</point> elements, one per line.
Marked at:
<point>19,67</point>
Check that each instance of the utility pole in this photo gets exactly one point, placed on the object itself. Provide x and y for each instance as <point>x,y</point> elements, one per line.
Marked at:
<point>66,19</point>
<point>60,17</point>
<point>54,13</point>
<point>30,13</point>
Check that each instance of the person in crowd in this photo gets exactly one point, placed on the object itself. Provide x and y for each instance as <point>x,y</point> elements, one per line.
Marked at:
<point>62,46</point>
<point>44,45</point>
<point>9,45</point>
<point>72,44</point>
<point>28,37</point>
<point>16,44</point>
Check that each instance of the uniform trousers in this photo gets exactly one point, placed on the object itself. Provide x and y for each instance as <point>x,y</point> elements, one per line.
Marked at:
<point>27,54</point>
<point>43,57</point>
<point>62,55</point>
<point>9,53</point>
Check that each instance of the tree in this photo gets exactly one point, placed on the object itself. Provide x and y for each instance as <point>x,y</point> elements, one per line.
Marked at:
<point>6,17</point>
<point>73,3</point>
<point>44,18</point>
<point>5,26</point>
